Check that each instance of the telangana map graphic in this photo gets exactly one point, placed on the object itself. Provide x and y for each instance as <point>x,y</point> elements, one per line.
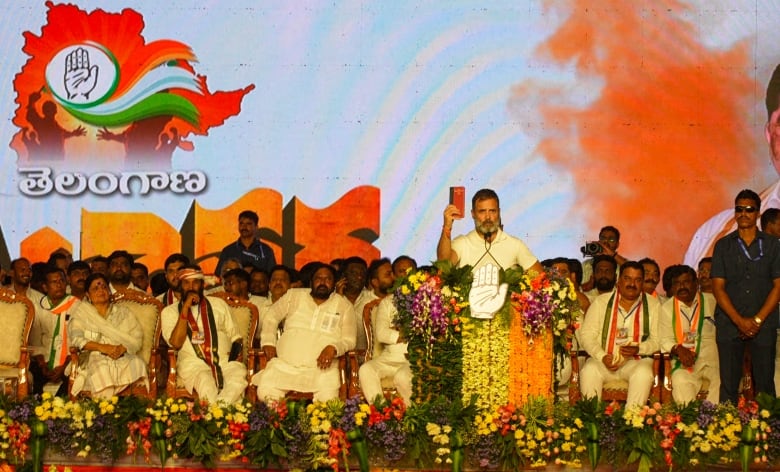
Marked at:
<point>95,93</point>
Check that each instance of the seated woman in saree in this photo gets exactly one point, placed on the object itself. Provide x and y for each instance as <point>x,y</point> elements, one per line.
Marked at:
<point>111,337</point>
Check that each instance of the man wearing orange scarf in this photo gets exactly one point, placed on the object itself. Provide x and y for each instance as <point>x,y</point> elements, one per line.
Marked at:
<point>687,329</point>
<point>48,335</point>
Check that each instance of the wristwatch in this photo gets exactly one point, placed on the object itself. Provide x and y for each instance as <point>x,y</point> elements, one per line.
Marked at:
<point>758,320</point>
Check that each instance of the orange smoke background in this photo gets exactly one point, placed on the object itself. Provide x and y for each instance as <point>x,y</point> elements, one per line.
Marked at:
<point>665,142</point>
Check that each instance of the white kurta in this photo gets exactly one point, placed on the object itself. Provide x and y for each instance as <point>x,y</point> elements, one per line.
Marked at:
<point>102,375</point>
<point>505,250</point>
<point>685,384</point>
<point>308,329</point>
<point>194,372</point>
<point>390,361</point>
<point>45,324</point>
<point>638,372</point>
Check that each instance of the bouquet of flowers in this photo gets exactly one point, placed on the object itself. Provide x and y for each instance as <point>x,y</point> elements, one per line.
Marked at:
<point>269,437</point>
<point>431,303</point>
<point>544,301</point>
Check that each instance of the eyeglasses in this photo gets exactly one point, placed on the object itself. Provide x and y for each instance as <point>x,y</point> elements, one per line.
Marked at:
<point>745,209</point>
<point>608,240</point>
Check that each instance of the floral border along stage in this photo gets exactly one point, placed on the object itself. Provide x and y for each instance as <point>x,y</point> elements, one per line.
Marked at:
<point>440,434</point>
<point>509,358</point>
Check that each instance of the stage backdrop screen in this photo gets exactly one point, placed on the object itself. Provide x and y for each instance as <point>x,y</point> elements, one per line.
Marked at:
<point>148,125</point>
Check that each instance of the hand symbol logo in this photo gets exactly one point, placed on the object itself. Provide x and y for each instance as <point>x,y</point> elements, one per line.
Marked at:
<point>80,79</point>
<point>486,296</point>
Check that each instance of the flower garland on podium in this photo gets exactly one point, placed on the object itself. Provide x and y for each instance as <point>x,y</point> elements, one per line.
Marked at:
<point>507,358</point>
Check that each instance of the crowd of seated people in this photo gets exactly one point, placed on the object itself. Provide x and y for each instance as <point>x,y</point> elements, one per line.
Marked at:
<point>74,309</point>
<point>310,316</point>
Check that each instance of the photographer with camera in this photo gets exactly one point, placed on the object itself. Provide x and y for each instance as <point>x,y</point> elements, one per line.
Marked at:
<point>607,244</point>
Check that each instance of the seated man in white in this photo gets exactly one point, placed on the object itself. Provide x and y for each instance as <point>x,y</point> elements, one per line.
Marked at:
<point>319,325</point>
<point>389,356</point>
<point>202,330</point>
<point>620,327</point>
<point>687,328</point>
<point>48,341</point>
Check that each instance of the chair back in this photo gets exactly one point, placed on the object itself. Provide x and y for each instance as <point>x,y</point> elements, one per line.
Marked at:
<point>146,310</point>
<point>373,349</point>
<point>246,318</point>
<point>17,313</point>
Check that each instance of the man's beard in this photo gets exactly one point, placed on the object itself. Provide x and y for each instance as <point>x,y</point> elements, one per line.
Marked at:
<point>604,285</point>
<point>487,227</point>
<point>321,292</point>
<point>121,277</point>
<point>385,289</point>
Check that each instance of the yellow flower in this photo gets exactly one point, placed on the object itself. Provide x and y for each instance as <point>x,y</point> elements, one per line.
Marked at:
<point>433,429</point>
<point>216,411</point>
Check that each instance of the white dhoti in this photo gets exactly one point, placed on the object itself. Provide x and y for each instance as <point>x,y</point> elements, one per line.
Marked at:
<point>372,372</point>
<point>279,377</point>
<point>638,373</point>
<point>686,385</point>
<point>196,375</point>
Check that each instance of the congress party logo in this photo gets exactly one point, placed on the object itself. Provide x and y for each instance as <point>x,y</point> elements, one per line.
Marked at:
<point>72,75</point>
<point>96,94</point>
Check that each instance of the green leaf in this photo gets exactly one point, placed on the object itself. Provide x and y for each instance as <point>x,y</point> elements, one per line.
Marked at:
<point>278,450</point>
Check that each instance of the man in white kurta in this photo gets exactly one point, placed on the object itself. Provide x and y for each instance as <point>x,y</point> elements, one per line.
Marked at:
<point>319,325</point>
<point>487,243</point>
<point>389,356</point>
<point>205,361</point>
<point>619,332</point>
<point>49,336</point>
<point>687,330</point>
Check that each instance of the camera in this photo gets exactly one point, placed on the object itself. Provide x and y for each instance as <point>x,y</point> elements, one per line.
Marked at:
<point>591,249</point>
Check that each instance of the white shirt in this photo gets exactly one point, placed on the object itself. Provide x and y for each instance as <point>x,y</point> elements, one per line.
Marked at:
<point>505,250</point>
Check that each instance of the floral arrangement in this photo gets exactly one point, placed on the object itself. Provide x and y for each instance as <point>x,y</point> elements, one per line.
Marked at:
<point>545,301</point>
<point>440,434</point>
<point>535,435</point>
<point>431,306</point>
<point>494,358</point>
